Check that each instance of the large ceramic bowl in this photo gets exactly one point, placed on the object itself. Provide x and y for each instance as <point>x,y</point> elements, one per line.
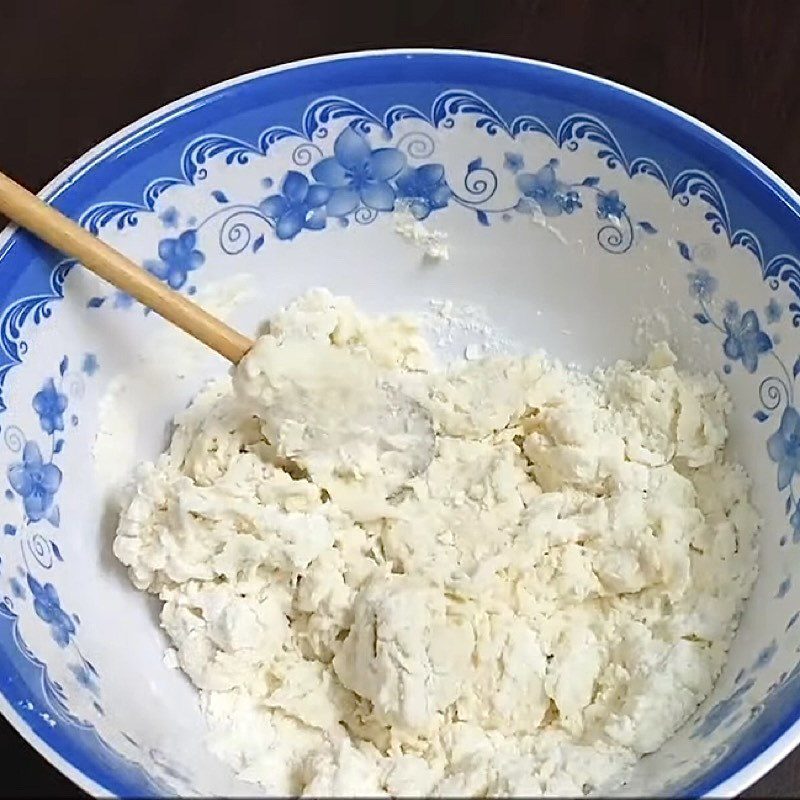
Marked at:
<point>581,216</point>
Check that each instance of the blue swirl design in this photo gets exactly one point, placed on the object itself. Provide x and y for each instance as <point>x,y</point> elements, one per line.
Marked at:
<point>785,268</point>
<point>236,234</point>
<point>747,240</point>
<point>582,126</point>
<point>399,113</point>
<point>450,104</point>
<point>687,187</point>
<point>646,166</point>
<point>201,151</point>
<point>416,144</point>
<point>779,265</point>
<point>121,215</point>
<point>528,124</point>
<point>156,188</point>
<point>35,309</point>
<point>480,183</point>
<point>272,136</point>
<point>693,183</point>
<point>326,110</point>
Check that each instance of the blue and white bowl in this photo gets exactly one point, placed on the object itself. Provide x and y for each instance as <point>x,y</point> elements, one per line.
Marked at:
<point>578,213</point>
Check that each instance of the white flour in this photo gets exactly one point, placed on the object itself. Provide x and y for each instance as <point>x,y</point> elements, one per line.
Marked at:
<point>433,243</point>
<point>546,600</point>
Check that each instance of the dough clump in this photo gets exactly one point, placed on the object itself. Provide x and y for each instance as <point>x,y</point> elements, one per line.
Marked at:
<point>500,577</point>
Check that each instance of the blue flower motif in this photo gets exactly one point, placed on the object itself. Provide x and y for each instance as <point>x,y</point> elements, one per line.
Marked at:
<point>123,299</point>
<point>702,284</point>
<point>298,206</point>
<point>424,188</point>
<point>356,173</point>
<point>47,606</point>
<point>609,205</point>
<point>731,310</point>
<point>36,483</point>
<point>570,200</point>
<point>50,405</point>
<point>551,195</point>
<point>745,341</point>
<point>783,448</point>
<point>773,310</point>
<point>177,257</point>
<point>90,364</point>
<point>513,162</point>
<point>169,217</point>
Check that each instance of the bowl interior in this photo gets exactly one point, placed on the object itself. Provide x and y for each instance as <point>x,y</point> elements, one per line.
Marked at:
<point>582,218</point>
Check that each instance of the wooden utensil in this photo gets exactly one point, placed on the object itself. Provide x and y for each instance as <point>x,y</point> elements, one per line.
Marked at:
<point>33,214</point>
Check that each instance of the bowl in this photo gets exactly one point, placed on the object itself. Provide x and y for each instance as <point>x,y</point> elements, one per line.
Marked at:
<point>582,216</point>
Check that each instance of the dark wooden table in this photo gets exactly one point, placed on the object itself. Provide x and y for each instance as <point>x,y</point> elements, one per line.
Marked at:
<point>74,71</point>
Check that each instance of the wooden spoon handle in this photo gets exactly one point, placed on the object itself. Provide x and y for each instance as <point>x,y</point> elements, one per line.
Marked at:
<point>29,212</point>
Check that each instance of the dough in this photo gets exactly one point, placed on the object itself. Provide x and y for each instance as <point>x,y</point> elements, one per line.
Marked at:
<point>500,577</point>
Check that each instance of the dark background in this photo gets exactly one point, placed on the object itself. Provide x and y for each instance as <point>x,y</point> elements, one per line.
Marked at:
<point>74,71</point>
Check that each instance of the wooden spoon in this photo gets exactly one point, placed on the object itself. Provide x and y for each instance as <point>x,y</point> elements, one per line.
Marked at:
<point>33,214</point>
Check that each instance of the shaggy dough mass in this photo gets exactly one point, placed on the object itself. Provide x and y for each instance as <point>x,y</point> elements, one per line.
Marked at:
<point>546,601</point>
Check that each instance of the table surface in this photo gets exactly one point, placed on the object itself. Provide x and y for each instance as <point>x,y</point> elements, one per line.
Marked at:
<point>75,72</point>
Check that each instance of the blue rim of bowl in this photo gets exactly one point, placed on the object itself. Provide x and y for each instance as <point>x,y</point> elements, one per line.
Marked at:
<point>752,762</point>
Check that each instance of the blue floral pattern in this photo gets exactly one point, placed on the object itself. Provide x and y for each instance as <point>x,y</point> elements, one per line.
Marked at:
<point>169,217</point>
<point>176,258</point>
<point>424,189</point>
<point>513,162</point>
<point>50,405</point>
<point>90,364</point>
<point>702,285</point>
<point>36,482</point>
<point>357,174</point>
<point>609,206</point>
<point>745,341</point>
<point>47,606</point>
<point>552,196</point>
<point>299,205</point>
<point>773,311</point>
<point>36,479</point>
<point>784,448</point>
<point>360,181</point>
<point>731,309</point>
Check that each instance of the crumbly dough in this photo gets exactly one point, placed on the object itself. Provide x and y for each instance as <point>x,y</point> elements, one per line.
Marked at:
<point>433,243</point>
<point>502,577</point>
